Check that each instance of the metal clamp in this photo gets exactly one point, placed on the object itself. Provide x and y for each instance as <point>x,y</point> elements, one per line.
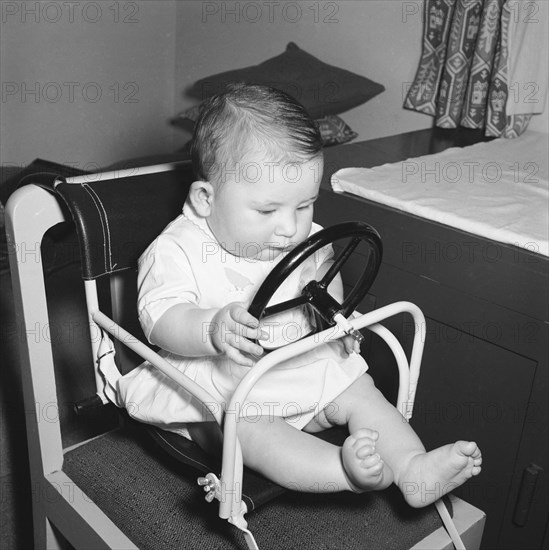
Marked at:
<point>346,326</point>
<point>212,486</point>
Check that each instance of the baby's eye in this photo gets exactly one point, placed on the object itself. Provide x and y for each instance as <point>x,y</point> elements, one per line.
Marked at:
<point>305,206</point>
<point>265,212</point>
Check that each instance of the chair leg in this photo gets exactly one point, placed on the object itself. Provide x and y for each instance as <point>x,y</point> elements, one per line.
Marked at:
<point>45,535</point>
<point>40,524</point>
<point>54,541</point>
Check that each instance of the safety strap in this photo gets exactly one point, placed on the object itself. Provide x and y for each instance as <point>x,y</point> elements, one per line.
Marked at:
<point>109,370</point>
<point>449,525</point>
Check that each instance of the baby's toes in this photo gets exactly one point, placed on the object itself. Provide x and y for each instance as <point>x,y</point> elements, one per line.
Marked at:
<point>373,463</point>
<point>365,433</point>
<point>476,454</point>
<point>475,470</point>
<point>365,450</point>
<point>468,448</point>
<point>475,463</point>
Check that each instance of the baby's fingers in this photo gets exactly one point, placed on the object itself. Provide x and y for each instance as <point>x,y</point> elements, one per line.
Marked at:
<point>351,345</point>
<point>234,355</point>
<point>238,341</point>
<point>245,324</point>
<point>241,316</point>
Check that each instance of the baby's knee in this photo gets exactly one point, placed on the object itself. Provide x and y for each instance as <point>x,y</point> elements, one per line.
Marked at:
<point>360,391</point>
<point>253,430</point>
<point>362,386</point>
<point>262,437</point>
<point>253,424</point>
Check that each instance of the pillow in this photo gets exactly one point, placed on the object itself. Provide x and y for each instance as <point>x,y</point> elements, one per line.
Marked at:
<point>189,114</point>
<point>334,130</point>
<point>322,89</point>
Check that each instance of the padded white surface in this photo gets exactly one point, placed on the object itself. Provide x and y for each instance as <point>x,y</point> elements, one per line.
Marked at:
<point>498,190</point>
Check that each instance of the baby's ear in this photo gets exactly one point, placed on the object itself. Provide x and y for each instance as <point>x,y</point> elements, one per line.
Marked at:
<point>201,196</point>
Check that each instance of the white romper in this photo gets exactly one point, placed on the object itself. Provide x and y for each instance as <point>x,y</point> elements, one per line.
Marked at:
<point>186,264</point>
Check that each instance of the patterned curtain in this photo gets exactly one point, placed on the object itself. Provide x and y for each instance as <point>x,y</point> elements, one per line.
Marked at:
<point>462,78</point>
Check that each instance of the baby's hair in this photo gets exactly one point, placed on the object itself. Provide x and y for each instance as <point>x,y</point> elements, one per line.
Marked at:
<point>247,119</point>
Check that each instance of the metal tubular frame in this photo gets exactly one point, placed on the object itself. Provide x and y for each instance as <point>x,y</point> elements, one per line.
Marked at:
<point>231,478</point>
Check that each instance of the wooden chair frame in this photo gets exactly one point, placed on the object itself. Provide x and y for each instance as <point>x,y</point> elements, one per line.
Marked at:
<point>71,511</point>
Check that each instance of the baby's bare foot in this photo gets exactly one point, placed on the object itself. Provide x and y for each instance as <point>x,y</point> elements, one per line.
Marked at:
<point>364,468</point>
<point>431,475</point>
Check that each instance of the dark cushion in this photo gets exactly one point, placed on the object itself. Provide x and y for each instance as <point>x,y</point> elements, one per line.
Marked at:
<point>12,177</point>
<point>322,89</point>
<point>125,203</point>
<point>335,131</point>
<point>158,504</point>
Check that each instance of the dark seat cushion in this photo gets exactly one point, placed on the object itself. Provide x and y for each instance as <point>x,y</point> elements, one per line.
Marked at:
<point>156,502</point>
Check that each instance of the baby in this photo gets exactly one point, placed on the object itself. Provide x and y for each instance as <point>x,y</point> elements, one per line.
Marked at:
<point>258,160</point>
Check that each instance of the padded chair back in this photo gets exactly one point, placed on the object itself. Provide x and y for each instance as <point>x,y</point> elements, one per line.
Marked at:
<point>116,209</point>
<point>117,215</point>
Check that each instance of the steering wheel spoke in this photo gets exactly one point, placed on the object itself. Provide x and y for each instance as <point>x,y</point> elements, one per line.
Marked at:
<point>285,306</point>
<point>340,261</point>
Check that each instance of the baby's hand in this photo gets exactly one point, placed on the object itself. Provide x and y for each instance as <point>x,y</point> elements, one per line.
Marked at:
<point>350,345</point>
<point>234,327</point>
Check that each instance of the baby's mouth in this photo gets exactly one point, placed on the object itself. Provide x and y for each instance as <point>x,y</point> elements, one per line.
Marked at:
<point>285,247</point>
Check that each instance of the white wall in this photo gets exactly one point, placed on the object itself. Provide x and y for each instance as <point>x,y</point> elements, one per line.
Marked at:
<point>56,57</point>
<point>141,55</point>
<point>379,39</point>
<point>86,83</point>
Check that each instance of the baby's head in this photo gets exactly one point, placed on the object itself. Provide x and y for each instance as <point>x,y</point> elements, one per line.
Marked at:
<point>258,160</point>
<point>250,121</point>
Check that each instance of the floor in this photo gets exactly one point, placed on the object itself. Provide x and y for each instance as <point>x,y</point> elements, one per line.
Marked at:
<point>15,500</point>
<point>15,493</point>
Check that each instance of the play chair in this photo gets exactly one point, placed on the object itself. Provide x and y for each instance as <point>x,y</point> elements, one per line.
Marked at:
<point>101,480</point>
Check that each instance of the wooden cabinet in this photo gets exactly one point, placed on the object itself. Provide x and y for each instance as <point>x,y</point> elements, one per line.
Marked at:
<point>486,362</point>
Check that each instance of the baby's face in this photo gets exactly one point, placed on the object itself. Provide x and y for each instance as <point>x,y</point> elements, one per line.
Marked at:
<point>265,207</point>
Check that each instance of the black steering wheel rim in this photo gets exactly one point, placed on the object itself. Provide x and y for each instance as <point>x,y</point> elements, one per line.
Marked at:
<point>359,231</point>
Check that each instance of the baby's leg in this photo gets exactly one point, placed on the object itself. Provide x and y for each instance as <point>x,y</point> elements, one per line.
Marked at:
<point>422,477</point>
<point>427,476</point>
<point>292,458</point>
<point>364,468</point>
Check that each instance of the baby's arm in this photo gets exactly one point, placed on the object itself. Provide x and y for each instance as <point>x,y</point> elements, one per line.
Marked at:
<point>186,329</point>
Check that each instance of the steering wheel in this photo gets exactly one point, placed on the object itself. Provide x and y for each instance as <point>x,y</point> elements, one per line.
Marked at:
<point>315,293</point>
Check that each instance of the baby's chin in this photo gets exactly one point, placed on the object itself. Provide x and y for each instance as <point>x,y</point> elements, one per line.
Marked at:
<point>266,253</point>
<point>269,254</point>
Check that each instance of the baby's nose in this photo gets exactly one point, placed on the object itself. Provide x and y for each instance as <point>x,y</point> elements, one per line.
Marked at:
<point>287,227</point>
